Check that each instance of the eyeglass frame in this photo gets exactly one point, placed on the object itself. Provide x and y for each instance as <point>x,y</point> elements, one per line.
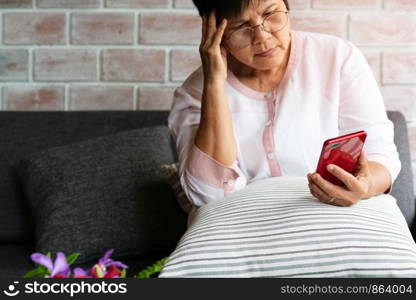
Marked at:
<point>261,24</point>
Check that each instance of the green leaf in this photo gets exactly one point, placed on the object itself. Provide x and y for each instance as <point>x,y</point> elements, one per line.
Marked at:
<point>45,271</point>
<point>48,255</point>
<point>152,269</point>
<point>123,273</point>
<point>71,258</point>
<point>40,271</point>
<point>32,273</point>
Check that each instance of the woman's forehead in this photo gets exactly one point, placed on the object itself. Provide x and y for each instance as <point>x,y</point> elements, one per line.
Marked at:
<point>256,6</point>
<point>262,4</point>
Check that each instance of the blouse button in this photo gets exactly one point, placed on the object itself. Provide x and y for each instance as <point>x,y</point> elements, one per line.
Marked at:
<point>269,95</point>
<point>270,155</point>
<point>230,182</point>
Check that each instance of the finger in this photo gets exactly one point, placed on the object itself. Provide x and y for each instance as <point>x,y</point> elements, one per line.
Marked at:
<point>347,178</point>
<point>322,195</point>
<point>363,161</point>
<point>204,29</point>
<point>220,33</point>
<point>325,198</point>
<point>212,27</point>
<point>330,188</point>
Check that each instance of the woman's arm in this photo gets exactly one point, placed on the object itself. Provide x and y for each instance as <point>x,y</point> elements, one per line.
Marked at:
<point>381,179</point>
<point>215,135</point>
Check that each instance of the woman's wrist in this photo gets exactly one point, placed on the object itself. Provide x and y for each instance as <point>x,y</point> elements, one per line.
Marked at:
<point>214,82</point>
<point>379,179</point>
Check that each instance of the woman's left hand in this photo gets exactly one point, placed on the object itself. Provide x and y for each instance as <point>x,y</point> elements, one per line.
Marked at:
<point>357,187</point>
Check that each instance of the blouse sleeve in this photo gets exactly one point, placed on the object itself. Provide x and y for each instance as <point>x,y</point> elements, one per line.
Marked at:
<point>362,108</point>
<point>203,179</point>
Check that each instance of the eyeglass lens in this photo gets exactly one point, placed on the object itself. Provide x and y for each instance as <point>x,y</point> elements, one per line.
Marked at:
<point>273,23</point>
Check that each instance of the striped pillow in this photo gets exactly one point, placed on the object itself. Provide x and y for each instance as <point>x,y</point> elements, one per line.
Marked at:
<point>276,228</point>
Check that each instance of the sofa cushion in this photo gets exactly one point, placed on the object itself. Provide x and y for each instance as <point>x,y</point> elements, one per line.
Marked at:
<point>25,132</point>
<point>275,228</point>
<point>103,193</point>
<point>15,260</point>
<point>403,189</point>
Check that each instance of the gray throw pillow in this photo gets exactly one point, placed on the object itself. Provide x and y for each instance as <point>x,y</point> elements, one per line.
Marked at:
<point>103,193</point>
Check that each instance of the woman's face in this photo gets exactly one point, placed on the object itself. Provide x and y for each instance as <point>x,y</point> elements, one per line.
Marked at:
<point>262,41</point>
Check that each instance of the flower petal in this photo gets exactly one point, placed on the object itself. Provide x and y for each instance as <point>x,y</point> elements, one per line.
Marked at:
<point>43,260</point>
<point>106,256</point>
<point>80,273</point>
<point>60,265</point>
<point>118,264</point>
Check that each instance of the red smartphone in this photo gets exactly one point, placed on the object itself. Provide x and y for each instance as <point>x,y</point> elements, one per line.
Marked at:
<point>343,151</point>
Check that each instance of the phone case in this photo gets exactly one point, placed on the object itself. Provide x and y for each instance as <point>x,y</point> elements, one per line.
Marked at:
<point>343,151</point>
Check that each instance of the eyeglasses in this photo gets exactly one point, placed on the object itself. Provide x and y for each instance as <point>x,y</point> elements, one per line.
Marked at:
<point>242,37</point>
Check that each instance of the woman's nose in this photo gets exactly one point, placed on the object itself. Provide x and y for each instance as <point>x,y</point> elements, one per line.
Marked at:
<point>259,35</point>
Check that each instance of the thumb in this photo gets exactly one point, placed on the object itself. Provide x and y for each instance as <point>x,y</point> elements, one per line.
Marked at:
<point>362,165</point>
<point>363,158</point>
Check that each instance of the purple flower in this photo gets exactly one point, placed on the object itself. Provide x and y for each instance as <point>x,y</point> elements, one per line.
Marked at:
<point>106,267</point>
<point>58,269</point>
<point>80,273</point>
<point>106,261</point>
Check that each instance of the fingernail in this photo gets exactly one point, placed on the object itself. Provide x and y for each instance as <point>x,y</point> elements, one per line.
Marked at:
<point>330,167</point>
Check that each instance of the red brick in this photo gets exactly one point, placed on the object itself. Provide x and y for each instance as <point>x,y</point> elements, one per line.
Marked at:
<point>346,3</point>
<point>401,99</point>
<point>102,28</point>
<point>321,22</point>
<point>184,4</point>
<point>13,64</point>
<point>34,28</point>
<point>183,63</point>
<point>383,28</point>
<point>155,98</point>
<point>400,4</point>
<point>133,65</point>
<point>15,3</point>
<point>34,98</point>
<point>68,3</point>
<point>298,4</point>
<point>294,4</point>
<point>399,66</point>
<point>65,64</point>
<point>101,97</point>
<point>170,29</point>
<point>373,59</point>
<point>138,3</point>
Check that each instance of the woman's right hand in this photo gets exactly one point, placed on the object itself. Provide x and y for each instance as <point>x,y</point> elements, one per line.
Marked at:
<point>213,54</point>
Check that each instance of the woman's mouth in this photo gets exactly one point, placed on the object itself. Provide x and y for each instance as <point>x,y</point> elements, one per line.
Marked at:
<point>267,53</point>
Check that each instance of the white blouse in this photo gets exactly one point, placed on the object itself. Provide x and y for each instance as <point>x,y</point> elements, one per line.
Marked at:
<point>328,90</point>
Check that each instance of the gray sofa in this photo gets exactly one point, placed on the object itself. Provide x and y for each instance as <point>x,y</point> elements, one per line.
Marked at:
<point>25,133</point>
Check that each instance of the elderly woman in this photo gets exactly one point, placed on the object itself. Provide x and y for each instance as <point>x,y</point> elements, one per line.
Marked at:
<point>266,98</point>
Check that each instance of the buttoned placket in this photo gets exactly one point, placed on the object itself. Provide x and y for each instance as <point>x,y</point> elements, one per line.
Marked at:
<point>268,135</point>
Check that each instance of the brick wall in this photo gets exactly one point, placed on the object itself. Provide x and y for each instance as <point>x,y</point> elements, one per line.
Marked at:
<point>131,54</point>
